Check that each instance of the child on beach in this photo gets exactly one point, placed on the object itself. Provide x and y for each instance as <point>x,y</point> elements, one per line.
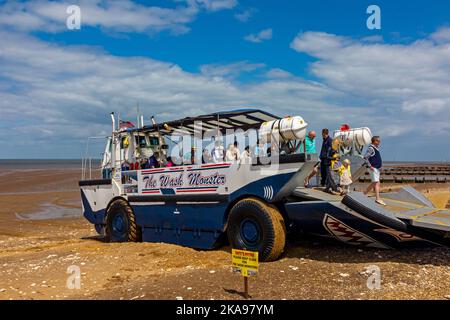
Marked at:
<point>345,177</point>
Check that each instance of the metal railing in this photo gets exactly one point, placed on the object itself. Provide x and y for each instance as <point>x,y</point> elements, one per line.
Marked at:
<point>86,161</point>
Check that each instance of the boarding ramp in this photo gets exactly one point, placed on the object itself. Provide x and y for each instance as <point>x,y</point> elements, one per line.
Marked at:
<point>410,215</point>
<point>406,210</point>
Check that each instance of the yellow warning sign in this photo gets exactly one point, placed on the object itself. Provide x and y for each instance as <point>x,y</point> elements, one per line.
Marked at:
<point>245,262</point>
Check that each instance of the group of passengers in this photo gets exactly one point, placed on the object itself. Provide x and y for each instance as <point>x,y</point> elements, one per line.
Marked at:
<point>232,154</point>
<point>331,165</point>
<point>154,161</point>
<point>217,155</point>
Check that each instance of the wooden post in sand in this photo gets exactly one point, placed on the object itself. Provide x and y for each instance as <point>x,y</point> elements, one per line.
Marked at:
<point>246,295</point>
<point>245,262</point>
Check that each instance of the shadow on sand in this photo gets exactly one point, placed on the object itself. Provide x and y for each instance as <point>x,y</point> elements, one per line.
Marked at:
<point>335,252</point>
<point>99,238</point>
<point>341,253</point>
<point>235,292</point>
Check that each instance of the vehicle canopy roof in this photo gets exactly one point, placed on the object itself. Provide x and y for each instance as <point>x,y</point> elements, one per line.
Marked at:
<point>243,119</point>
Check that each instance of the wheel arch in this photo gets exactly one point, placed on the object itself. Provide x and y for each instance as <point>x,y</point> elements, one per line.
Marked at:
<point>231,205</point>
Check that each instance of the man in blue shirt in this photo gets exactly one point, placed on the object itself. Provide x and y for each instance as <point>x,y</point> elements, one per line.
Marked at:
<point>374,163</point>
<point>310,143</point>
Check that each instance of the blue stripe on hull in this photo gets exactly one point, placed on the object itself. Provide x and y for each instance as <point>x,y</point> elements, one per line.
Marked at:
<point>256,188</point>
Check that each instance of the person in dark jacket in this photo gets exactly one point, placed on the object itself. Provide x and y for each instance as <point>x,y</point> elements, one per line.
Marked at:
<point>323,156</point>
<point>153,161</point>
<point>332,157</point>
<point>374,163</point>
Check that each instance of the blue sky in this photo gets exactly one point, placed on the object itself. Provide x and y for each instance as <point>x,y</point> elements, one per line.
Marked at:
<point>180,58</point>
<point>218,36</point>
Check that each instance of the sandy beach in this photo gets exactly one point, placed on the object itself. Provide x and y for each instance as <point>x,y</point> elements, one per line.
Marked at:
<point>42,234</point>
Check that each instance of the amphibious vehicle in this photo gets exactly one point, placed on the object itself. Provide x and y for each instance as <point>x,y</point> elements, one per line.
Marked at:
<point>254,204</point>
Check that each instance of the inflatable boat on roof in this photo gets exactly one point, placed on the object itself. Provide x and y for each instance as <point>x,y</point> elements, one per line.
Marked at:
<point>252,204</point>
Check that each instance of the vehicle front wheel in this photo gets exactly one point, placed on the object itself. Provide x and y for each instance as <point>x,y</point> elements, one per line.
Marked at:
<point>256,226</point>
<point>121,223</point>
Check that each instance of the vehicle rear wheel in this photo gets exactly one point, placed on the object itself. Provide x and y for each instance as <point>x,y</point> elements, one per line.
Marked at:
<point>121,223</point>
<point>256,226</point>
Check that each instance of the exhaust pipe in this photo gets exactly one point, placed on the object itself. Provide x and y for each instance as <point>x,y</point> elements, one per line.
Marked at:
<point>113,122</point>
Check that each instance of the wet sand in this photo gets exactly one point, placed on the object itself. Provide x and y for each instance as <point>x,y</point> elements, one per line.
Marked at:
<point>36,252</point>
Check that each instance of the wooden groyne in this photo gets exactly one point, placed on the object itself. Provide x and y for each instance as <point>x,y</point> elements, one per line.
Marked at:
<point>413,173</point>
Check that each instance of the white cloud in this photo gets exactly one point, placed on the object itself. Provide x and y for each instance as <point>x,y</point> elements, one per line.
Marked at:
<point>55,96</point>
<point>430,106</point>
<point>442,35</point>
<point>119,16</point>
<point>375,38</point>
<point>62,94</point>
<point>245,15</point>
<point>265,34</point>
<point>215,5</point>
<point>407,84</point>
<point>230,70</point>
<point>278,73</point>
<point>319,44</point>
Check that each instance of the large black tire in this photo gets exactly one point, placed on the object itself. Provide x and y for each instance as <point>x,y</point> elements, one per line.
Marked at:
<point>121,223</point>
<point>256,226</point>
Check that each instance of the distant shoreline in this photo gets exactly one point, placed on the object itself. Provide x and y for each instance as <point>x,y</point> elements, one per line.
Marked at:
<point>3,161</point>
<point>76,164</point>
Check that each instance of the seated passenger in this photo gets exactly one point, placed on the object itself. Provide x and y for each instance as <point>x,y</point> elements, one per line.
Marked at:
<point>189,157</point>
<point>125,166</point>
<point>246,156</point>
<point>153,161</point>
<point>193,155</point>
<point>143,163</point>
<point>176,161</point>
<point>206,157</point>
<point>231,154</point>
<point>218,153</point>
<point>259,150</point>
<point>236,151</point>
<point>169,162</point>
<point>134,165</point>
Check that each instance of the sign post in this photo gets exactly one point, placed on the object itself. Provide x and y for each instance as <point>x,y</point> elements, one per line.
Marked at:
<point>245,262</point>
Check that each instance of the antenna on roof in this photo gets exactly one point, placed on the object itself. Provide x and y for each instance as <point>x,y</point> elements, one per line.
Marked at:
<point>138,118</point>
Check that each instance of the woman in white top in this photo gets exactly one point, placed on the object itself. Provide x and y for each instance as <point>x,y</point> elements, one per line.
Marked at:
<point>231,154</point>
